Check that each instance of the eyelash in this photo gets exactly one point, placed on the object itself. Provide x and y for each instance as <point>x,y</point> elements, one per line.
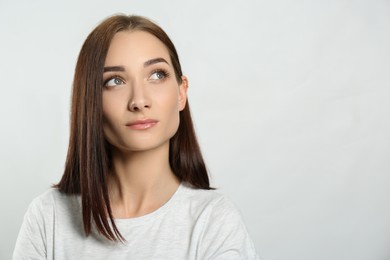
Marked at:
<point>112,77</point>
<point>164,73</point>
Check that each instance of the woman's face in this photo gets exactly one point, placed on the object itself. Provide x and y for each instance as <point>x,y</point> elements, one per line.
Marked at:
<point>141,96</point>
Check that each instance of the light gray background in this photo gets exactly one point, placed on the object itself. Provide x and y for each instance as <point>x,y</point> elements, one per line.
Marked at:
<point>290,100</point>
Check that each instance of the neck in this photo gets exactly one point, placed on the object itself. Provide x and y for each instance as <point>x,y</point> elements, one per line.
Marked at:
<point>140,182</point>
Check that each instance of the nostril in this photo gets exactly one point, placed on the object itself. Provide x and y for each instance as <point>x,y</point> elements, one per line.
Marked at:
<point>134,107</point>
<point>139,105</point>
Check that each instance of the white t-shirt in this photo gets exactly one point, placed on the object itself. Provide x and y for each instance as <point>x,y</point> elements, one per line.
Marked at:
<point>193,224</point>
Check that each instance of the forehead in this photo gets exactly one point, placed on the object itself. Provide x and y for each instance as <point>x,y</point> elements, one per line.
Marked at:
<point>135,46</point>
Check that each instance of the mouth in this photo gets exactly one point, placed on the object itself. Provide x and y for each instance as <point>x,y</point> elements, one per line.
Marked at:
<point>142,124</point>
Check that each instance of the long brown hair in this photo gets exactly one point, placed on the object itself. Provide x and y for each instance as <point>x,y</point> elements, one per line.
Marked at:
<point>88,160</point>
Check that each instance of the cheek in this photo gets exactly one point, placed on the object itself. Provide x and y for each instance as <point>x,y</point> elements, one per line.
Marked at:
<point>108,127</point>
<point>175,121</point>
<point>170,105</point>
<point>110,119</point>
<point>113,106</point>
<point>108,113</point>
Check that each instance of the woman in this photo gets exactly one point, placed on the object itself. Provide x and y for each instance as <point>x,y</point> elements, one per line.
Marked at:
<point>135,185</point>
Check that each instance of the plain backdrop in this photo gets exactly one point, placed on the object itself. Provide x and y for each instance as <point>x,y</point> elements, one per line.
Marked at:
<point>290,99</point>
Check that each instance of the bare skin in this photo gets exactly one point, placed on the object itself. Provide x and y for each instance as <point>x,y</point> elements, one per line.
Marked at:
<point>142,183</point>
<point>141,104</point>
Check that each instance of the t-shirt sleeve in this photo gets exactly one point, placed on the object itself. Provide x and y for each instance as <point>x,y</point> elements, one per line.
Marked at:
<point>225,235</point>
<point>31,241</point>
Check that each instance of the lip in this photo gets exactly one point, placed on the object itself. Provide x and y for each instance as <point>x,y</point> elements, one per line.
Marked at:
<point>142,124</point>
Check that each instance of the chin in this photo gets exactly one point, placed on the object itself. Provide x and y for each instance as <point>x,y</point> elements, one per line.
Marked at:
<point>142,146</point>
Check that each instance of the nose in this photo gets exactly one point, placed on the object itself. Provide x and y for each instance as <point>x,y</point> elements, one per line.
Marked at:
<point>139,98</point>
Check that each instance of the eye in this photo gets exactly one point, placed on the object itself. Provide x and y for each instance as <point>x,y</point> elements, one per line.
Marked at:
<point>114,81</point>
<point>158,75</point>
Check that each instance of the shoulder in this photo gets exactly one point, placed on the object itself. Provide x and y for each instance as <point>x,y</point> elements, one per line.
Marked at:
<point>50,197</point>
<point>216,213</point>
<point>45,200</point>
<point>220,229</point>
<point>50,201</point>
<point>200,195</point>
<point>211,200</point>
<point>37,231</point>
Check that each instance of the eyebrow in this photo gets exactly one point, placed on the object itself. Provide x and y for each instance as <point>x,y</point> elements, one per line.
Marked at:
<point>154,61</point>
<point>114,68</point>
<point>146,64</point>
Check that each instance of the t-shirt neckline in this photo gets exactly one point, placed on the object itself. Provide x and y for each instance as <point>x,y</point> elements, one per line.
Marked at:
<point>152,215</point>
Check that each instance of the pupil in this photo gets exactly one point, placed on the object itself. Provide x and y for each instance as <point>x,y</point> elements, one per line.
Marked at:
<point>117,81</point>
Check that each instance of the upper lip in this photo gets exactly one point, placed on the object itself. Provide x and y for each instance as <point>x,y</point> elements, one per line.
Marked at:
<point>142,121</point>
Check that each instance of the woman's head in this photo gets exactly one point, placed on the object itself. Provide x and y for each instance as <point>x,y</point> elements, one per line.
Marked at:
<point>142,98</point>
<point>88,160</point>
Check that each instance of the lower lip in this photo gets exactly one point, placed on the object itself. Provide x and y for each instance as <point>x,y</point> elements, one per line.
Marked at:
<point>143,126</point>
